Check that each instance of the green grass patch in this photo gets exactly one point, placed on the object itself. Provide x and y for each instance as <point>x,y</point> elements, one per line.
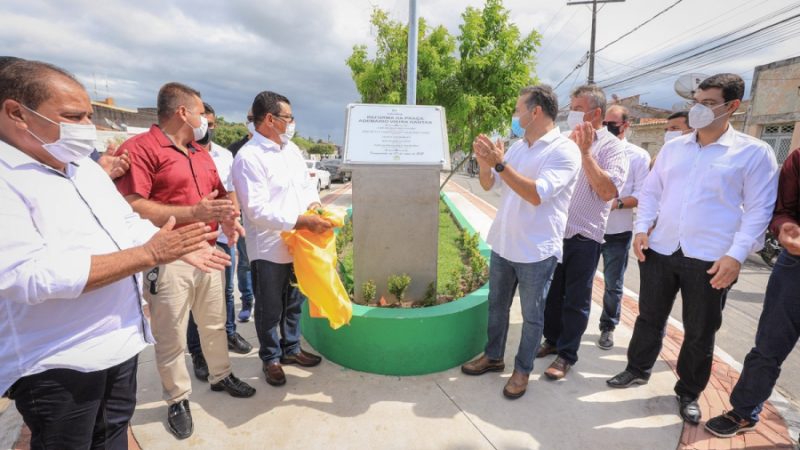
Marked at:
<point>450,261</point>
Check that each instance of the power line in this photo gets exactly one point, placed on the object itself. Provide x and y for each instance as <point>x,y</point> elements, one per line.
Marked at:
<point>638,26</point>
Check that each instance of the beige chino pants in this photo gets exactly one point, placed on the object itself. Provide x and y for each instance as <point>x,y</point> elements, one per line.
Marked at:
<point>183,288</point>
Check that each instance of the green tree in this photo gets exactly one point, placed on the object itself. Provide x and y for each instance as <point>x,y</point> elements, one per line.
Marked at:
<point>477,84</point>
<point>303,143</point>
<point>322,149</point>
<point>382,79</point>
<point>228,132</point>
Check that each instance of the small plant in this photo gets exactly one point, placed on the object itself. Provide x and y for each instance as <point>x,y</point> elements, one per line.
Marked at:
<point>368,291</point>
<point>398,285</point>
<point>430,296</point>
<point>453,288</point>
<point>344,236</point>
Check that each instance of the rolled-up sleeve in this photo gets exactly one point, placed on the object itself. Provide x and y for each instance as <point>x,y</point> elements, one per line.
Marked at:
<point>559,171</point>
<point>32,270</point>
<point>252,189</point>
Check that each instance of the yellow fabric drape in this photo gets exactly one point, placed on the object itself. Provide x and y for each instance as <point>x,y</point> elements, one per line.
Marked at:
<point>315,267</point>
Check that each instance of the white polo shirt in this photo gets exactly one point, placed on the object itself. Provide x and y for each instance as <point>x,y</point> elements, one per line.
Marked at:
<point>522,232</point>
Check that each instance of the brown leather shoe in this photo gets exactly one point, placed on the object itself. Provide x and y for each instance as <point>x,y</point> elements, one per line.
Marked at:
<point>546,349</point>
<point>516,385</point>
<point>303,358</point>
<point>274,373</point>
<point>482,365</point>
<point>558,369</point>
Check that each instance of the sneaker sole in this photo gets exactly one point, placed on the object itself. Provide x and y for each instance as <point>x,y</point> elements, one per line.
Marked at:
<point>635,382</point>
<point>605,347</point>
<point>485,370</point>
<point>730,435</point>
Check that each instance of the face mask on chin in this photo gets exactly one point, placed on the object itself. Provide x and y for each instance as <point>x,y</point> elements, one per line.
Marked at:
<point>75,140</point>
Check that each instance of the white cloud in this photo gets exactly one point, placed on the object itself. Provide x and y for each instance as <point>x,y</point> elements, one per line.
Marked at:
<point>232,50</point>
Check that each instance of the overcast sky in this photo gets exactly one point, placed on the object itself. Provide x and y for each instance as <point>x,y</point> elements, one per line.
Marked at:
<point>231,50</point>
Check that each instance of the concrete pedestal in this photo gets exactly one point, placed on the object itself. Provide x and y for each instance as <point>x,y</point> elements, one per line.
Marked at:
<point>395,226</point>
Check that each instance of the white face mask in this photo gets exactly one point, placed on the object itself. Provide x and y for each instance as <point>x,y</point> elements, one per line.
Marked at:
<point>289,131</point>
<point>200,132</point>
<point>75,140</point>
<point>701,116</point>
<point>574,119</point>
<point>251,128</point>
<point>670,135</point>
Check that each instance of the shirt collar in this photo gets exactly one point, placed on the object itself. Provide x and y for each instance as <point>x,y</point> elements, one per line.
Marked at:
<point>725,140</point>
<point>266,142</point>
<point>16,158</point>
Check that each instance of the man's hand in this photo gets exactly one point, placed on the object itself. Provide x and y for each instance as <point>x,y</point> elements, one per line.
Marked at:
<point>313,223</point>
<point>209,209</point>
<point>789,237</point>
<point>640,244</point>
<point>170,244</point>
<point>233,229</point>
<point>492,153</point>
<point>583,135</point>
<point>208,259</point>
<point>115,166</point>
<point>725,271</point>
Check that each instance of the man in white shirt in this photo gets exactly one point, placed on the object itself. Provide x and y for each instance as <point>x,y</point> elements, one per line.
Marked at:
<point>619,230</point>
<point>603,171</point>
<point>537,177</point>
<point>274,189</point>
<point>710,197</point>
<point>71,323</point>
<point>223,160</point>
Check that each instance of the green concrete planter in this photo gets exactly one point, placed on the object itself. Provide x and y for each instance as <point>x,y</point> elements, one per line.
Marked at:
<point>408,341</point>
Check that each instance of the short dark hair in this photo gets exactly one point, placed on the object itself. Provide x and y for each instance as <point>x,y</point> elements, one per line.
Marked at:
<point>624,110</point>
<point>6,60</point>
<point>267,103</point>
<point>172,96</point>
<point>208,109</point>
<point>732,85</point>
<point>678,115</point>
<point>29,82</point>
<point>593,93</point>
<point>541,95</point>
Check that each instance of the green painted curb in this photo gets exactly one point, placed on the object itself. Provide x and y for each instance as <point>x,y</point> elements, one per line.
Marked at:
<point>410,341</point>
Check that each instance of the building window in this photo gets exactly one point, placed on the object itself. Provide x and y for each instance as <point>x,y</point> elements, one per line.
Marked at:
<point>779,137</point>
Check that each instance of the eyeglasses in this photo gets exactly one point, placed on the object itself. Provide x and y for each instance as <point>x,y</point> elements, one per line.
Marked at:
<point>287,119</point>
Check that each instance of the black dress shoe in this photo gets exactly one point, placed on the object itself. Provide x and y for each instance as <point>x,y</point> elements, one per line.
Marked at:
<point>200,367</point>
<point>234,386</point>
<point>302,358</point>
<point>237,344</point>
<point>625,379</point>
<point>690,410</point>
<point>179,419</point>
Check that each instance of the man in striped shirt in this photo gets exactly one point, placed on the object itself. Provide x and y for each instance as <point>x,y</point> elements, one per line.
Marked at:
<point>604,167</point>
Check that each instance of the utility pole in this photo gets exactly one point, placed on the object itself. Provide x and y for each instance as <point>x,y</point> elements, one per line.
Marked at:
<point>594,3</point>
<point>411,79</point>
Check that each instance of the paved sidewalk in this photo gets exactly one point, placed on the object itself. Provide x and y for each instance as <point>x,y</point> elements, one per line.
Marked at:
<point>334,407</point>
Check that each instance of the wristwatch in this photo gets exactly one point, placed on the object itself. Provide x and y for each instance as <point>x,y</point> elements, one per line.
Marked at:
<point>499,167</point>
<point>620,204</point>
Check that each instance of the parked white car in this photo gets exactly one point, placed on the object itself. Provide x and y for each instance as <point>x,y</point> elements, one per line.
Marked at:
<point>321,176</point>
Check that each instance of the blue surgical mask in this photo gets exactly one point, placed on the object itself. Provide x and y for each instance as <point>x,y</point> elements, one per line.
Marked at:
<point>516,128</point>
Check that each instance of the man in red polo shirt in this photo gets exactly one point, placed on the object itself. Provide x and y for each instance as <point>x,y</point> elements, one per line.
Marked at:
<point>170,175</point>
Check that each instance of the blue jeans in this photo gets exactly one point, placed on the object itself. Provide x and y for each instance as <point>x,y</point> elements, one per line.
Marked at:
<point>277,309</point>
<point>615,261</point>
<point>569,299</point>
<point>243,273</point>
<point>192,336</point>
<point>533,280</point>
<point>777,334</point>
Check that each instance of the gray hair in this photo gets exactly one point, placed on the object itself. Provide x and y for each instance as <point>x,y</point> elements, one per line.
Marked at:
<point>596,96</point>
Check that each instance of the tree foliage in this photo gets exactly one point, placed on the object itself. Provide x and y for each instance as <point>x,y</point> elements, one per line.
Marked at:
<point>477,81</point>
<point>322,148</point>
<point>228,132</point>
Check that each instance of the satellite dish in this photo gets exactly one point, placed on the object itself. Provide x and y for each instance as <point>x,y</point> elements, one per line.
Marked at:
<point>686,84</point>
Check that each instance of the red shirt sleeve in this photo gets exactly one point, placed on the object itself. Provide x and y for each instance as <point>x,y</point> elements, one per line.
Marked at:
<point>788,203</point>
<point>139,178</point>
